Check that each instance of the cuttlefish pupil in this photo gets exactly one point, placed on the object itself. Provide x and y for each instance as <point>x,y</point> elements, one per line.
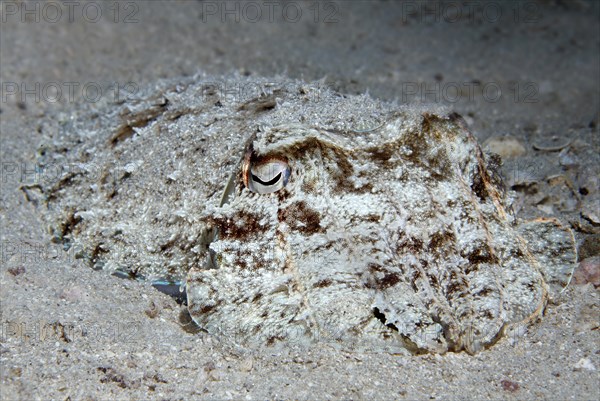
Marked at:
<point>266,174</point>
<point>267,183</point>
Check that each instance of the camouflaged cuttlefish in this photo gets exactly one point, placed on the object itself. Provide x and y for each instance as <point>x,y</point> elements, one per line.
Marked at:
<point>294,214</point>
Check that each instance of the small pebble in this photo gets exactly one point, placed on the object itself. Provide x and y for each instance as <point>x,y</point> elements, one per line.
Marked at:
<point>152,311</point>
<point>16,271</point>
<point>589,210</point>
<point>589,246</point>
<point>547,209</point>
<point>505,146</point>
<point>246,365</point>
<point>510,386</point>
<point>71,294</point>
<point>588,272</point>
<point>584,363</point>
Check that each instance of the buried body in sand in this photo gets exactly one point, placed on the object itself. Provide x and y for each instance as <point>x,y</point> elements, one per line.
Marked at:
<point>294,214</point>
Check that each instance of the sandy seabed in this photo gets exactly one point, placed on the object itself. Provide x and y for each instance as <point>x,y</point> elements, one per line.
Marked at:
<point>529,70</point>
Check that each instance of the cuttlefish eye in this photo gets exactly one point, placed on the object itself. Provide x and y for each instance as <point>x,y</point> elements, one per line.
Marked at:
<point>265,175</point>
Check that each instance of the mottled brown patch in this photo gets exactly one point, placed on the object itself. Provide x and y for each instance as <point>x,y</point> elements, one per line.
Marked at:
<point>440,240</point>
<point>342,173</point>
<point>479,186</point>
<point>373,218</point>
<point>433,281</point>
<point>440,165</point>
<point>375,281</point>
<point>453,288</point>
<point>241,263</point>
<point>301,217</point>
<point>455,285</point>
<point>518,252</point>
<point>271,340</point>
<point>137,120</point>
<point>340,169</point>
<point>432,159</point>
<point>389,280</point>
<point>282,195</point>
<point>323,283</point>
<point>415,245</point>
<point>310,185</point>
<point>381,155</point>
<point>375,268</point>
<point>242,226</point>
<point>201,309</point>
<point>481,254</point>
<point>484,292</point>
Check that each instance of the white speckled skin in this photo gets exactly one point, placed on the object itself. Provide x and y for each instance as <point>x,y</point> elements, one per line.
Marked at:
<point>392,236</point>
<point>392,232</point>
